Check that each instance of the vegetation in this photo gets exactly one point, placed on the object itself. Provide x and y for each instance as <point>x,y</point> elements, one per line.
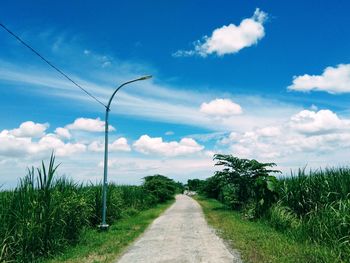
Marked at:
<point>243,184</point>
<point>108,245</point>
<point>258,242</point>
<point>160,187</point>
<point>44,214</point>
<point>312,207</point>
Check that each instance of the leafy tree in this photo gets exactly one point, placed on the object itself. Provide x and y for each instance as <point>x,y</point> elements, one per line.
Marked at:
<point>160,187</point>
<point>212,186</point>
<point>194,184</point>
<point>245,181</point>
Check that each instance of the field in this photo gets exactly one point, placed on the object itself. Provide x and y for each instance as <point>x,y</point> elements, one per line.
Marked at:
<point>312,207</point>
<point>258,242</point>
<point>44,215</point>
<point>95,246</point>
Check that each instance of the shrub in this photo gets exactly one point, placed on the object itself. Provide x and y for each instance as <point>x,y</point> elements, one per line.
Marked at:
<point>283,218</point>
<point>243,181</point>
<point>160,187</point>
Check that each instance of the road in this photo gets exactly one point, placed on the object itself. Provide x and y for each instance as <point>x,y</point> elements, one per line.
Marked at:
<point>180,235</point>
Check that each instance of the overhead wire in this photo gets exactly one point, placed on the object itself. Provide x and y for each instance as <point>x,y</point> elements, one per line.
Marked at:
<point>51,65</point>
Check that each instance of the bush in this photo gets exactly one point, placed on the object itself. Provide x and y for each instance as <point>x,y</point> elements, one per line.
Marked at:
<point>160,187</point>
<point>229,196</point>
<point>283,218</point>
<point>329,224</point>
<point>242,182</point>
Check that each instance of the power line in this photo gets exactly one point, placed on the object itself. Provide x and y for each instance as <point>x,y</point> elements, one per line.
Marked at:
<point>51,65</point>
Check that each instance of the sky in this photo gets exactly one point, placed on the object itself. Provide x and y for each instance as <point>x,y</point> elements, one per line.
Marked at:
<point>268,80</point>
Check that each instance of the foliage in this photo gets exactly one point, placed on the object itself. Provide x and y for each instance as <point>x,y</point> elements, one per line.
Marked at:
<point>95,246</point>
<point>212,186</point>
<point>194,184</point>
<point>312,206</point>
<point>160,187</point>
<point>258,242</point>
<point>243,181</point>
<point>321,200</point>
<point>283,218</point>
<point>43,214</point>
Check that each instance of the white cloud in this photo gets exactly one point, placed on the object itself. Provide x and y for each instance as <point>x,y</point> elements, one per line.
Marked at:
<point>90,125</point>
<point>307,132</point>
<point>333,80</point>
<point>150,101</point>
<point>230,39</point>
<point>51,142</point>
<point>148,145</point>
<point>120,144</point>
<point>180,169</point>
<point>63,133</point>
<point>30,129</point>
<point>12,146</point>
<point>310,122</point>
<point>269,131</point>
<point>221,108</point>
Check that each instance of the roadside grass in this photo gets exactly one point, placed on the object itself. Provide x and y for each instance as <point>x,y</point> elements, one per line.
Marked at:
<point>95,246</point>
<point>258,242</point>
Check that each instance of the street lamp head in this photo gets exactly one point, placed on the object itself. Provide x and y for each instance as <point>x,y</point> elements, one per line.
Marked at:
<point>145,77</point>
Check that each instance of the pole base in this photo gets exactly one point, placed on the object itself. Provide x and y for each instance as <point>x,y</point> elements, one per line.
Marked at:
<point>103,227</point>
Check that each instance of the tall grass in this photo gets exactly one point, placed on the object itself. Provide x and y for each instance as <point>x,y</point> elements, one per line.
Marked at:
<point>44,214</point>
<point>316,206</point>
<point>312,206</point>
<point>305,192</point>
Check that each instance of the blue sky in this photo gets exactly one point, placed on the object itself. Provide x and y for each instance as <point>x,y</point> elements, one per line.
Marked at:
<point>267,80</point>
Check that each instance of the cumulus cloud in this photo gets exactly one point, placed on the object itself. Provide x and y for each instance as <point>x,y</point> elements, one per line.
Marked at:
<point>308,131</point>
<point>333,80</point>
<point>120,144</point>
<point>30,129</point>
<point>63,133</point>
<point>51,142</point>
<point>220,108</point>
<point>230,39</point>
<point>147,145</point>
<point>12,146</point>
<point>90,125</point>
<point>322,121</point>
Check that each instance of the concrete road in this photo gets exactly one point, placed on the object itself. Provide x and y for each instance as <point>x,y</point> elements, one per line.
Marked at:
<point>181,234</point>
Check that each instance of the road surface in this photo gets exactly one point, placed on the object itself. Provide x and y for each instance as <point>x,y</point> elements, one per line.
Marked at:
<point>180,235</point>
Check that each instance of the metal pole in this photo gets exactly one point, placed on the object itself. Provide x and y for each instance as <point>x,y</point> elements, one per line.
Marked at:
<point>104,225</point>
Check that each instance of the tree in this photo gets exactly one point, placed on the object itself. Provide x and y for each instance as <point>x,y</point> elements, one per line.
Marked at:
<point>245,181</point>
<point>161,187</point>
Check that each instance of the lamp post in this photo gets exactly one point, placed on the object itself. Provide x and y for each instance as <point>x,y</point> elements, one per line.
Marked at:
<point>104,225</point>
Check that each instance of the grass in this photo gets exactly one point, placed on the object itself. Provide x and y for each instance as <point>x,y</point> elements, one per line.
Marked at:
<point>310,206</point>
<point>45,215</point>
<point>105,247</point>
<point>257,241</point>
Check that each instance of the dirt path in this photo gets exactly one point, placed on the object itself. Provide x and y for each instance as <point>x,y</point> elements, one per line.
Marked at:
<point>181,234</point>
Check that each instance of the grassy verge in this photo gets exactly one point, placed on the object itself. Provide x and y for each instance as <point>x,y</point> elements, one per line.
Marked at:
<point>106,246</point>
<point>258,242</point>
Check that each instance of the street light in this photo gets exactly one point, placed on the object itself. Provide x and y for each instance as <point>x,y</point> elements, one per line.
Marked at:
<point>104,225</point>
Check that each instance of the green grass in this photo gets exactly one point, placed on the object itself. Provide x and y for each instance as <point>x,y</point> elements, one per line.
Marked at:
<point>97,246</point>
<point>258,242</point>
<point>45,215</point>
